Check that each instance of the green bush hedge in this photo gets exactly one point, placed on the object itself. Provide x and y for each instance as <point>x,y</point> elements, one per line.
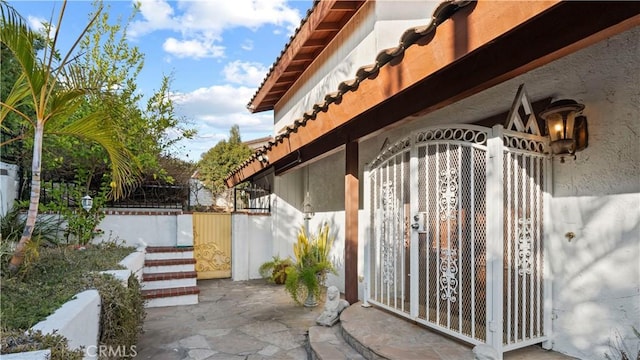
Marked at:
<point>54,278</point>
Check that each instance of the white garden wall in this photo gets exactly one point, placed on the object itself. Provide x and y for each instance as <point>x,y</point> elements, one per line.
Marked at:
<point>8,186</point>
<point>251,244</point>
<point>78,320</point>
<point>147,228</point>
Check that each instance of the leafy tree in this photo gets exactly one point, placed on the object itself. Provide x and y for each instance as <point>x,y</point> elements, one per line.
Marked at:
<point>144,132</point>
<point>13,127</point>
<point>221,159</point>
<point>55,87</point>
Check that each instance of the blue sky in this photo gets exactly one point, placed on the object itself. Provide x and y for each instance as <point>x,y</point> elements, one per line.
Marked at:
<point>218,52</point>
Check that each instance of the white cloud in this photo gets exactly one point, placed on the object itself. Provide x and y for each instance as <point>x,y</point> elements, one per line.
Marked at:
<point>37,24</point>
<point>247,45</point>
<point>213,110</point>
<point>157,15</point>
<point>203,22</point>
<point>244,73</point>
<point>196,49</point>
<point>221,106</point>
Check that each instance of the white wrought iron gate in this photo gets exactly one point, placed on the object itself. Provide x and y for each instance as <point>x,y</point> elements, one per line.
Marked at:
<point>455,241</point>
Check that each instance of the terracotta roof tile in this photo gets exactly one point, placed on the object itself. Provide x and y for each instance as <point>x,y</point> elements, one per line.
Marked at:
<point>412,35</point>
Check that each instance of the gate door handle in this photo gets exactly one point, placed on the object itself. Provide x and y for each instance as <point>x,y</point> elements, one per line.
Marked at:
<point>419,222</point>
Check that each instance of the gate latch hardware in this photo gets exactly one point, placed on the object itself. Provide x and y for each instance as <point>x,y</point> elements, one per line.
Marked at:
<point>420,222</point>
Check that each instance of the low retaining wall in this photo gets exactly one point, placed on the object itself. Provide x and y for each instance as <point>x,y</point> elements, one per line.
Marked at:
<point>79,319</point>
<point>152,227</point>
<point>134,263</point>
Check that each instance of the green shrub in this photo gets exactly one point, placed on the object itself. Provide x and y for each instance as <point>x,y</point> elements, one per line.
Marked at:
<point>122,314</point>
<point>59,274</point>
<point>275,269</point>
<point>308,274</point>
<point>15,341</point>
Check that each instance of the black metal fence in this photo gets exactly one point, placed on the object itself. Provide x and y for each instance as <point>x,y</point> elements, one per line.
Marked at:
<point>143,196</point>
<point>156,197</point>
<point>252,199</point>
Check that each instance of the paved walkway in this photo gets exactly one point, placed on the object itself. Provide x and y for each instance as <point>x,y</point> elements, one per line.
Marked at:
<point>234,320</point>
<point>256,320</point>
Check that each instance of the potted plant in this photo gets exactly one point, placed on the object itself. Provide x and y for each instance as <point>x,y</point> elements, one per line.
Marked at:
<point>275,269</point>
<point>306,278</point>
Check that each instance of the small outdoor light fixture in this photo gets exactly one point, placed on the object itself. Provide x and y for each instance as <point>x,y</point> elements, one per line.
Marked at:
<point>307,208</point>
<point>567,129</point>
<point>87,203</point>
<point>263,158</point>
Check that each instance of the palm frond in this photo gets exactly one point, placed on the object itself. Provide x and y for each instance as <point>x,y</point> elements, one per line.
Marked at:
<point>19,39</point>
<point>70,53</point>
<point>124,169</point>
<point>19,95</point>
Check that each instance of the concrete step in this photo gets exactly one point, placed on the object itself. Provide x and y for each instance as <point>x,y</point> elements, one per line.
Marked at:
<point>377,334</point>
<point>168,252</point>
<point>152,281</point>
<point>171,296</point>
<point>169,265</point>
<point>326,343</point>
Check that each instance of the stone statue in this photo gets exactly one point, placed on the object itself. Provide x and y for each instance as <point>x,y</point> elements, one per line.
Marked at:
<point>332,308</point>
<point>484,352</point>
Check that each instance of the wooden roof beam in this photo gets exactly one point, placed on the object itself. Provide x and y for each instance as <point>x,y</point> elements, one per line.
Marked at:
<point>321,10</point>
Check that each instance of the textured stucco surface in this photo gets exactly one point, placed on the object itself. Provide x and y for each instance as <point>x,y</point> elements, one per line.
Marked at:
<point>596,276</point>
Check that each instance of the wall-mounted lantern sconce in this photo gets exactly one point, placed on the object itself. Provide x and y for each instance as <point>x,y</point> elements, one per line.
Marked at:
<point>87,203</point>
<point>567,129</point>
<point>263,158</point>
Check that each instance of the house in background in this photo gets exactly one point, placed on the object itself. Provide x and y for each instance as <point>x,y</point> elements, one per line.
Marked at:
<point>417,129</point>
<point>200,196</point>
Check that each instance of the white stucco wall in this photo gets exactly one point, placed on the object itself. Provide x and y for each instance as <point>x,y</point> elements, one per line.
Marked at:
<point>596,277</point>
<point>252,244</point>
<point>78,320</point>
<point>376,27</point>
<point>8,186</point>
<point>184,225</point>
<point>137,230</point>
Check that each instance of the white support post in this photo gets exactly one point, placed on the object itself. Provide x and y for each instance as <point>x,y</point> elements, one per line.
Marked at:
<point>495,239</point>
<point>366,268</point>
<point>414,272</point>
<point>547,276</point>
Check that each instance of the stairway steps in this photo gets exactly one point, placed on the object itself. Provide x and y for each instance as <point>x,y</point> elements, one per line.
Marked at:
<point>152,281</point>
<point>327,343</point>
<point>179,291</point>
<point>163,253</point>
<point>169,265</point>
<point>169,277</point>
<point>168,249</point>
<point>168,262</point>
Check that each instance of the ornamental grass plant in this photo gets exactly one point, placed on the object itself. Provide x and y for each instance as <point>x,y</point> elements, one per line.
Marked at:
<point>306,278</point>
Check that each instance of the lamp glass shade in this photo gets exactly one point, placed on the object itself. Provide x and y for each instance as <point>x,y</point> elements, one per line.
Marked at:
<point>555,125</point>
<point>307,209</point>
<point>87,202</point>
<point>560,118</point>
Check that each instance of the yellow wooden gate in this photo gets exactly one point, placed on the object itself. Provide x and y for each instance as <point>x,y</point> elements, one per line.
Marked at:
<point>212,245</point>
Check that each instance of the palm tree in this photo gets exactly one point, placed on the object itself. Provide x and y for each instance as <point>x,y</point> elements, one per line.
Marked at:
<point>53,88</point>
